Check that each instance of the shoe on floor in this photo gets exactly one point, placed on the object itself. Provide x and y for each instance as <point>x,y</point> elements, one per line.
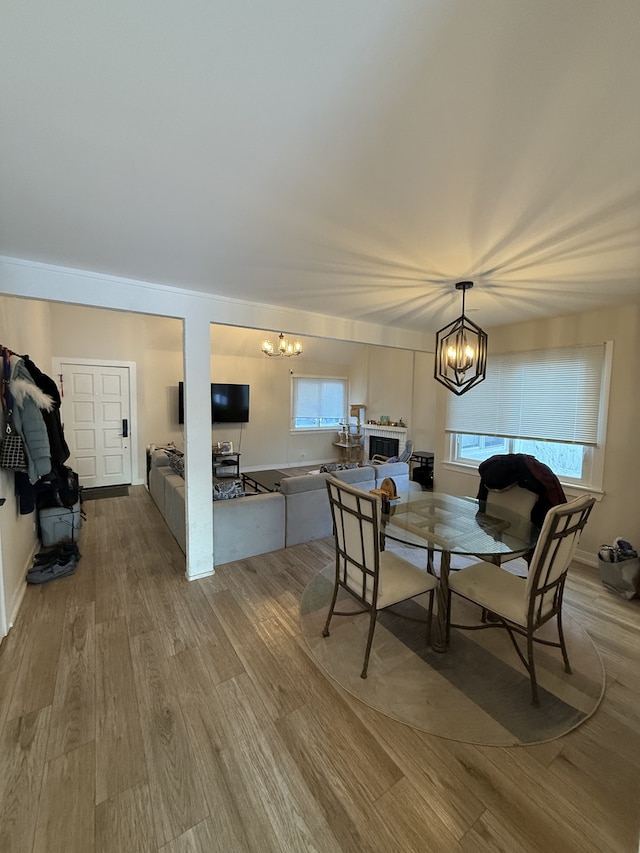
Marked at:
<point>51,571</point>
<point>62,551</point>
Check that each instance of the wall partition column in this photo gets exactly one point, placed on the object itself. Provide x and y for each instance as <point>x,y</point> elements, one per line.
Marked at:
<point>197,445</point>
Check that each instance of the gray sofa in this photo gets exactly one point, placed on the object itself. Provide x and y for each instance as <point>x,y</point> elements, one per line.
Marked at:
<point>308,515</point>
<point>242,528</point>
<point>259,523</point>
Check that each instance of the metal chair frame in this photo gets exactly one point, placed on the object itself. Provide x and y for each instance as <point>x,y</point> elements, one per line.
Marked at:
<point>367,513</point>
<point>541,570</point>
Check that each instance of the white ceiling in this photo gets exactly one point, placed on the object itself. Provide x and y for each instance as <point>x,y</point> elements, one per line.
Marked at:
<point>348,157</point>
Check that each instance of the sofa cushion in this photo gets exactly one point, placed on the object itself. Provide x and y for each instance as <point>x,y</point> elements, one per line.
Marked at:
<point>159,458</point>
<point>308,515</point>
<point>175,510</point>
<point>303,483</point>
<point>171,483</point>
<point>157,476</point>
<point>362,478</point>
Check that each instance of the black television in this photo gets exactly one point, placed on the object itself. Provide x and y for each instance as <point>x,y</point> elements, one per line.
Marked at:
<point>229,403</point>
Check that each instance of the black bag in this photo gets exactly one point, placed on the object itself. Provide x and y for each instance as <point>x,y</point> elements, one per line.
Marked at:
<point>68,491</point>
<point>61,487</point>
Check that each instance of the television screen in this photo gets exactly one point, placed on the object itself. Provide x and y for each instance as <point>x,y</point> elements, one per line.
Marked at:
<point>229,403</point>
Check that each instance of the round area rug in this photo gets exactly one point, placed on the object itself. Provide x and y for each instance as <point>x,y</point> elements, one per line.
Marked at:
<point>476,692</point>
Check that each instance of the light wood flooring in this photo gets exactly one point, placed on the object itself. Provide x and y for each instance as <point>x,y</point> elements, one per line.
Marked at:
<point>140,712</point>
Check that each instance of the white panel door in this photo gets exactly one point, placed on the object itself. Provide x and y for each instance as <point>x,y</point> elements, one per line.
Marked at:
<point>96,415</point>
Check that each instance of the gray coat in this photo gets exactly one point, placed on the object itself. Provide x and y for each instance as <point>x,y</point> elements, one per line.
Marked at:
<point>28,403</point>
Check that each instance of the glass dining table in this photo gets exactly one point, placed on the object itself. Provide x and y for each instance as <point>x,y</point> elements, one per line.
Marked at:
<point>448,524</point>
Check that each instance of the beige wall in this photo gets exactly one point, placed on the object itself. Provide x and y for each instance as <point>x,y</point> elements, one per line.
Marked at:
<point>25,329</point>
<point>380,377</point>
<point>391,383</point>
<point>617,514</point>
<point>424,397</point>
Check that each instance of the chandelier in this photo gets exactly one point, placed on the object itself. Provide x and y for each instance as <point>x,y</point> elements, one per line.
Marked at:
<point>461,351</point>
<point>284,347</point>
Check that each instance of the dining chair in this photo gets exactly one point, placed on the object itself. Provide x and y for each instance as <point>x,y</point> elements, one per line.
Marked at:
<point>524,605</point>
<point>521,483</point>
<point>515,499</point>
<point>498,473</point>
<point>375,578</point>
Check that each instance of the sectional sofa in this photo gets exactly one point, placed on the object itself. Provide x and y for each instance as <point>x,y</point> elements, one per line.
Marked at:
<point>259,523</point>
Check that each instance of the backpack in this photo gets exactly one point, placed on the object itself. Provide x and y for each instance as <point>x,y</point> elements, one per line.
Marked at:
<point>61,487</point>
<point>68,491</point>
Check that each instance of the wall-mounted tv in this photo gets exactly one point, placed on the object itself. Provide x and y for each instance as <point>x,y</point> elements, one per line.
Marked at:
<point>229,403</point>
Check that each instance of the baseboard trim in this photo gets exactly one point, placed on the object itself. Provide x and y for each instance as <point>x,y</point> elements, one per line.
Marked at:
<point>198,576</point>
<point>587,558</point>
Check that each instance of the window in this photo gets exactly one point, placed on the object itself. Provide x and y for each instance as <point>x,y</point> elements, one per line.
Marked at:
<point>318,402</point>
<point>550,404</point>
<point>570,462</point>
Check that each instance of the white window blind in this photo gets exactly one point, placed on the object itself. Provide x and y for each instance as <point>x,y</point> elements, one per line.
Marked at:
<point>319,399</point>
<point>552,395</point>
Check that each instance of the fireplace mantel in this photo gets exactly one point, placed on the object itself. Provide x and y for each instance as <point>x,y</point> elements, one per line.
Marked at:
<point>384,432</point>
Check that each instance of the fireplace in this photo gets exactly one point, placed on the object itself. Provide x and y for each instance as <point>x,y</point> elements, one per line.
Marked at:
<point>373,431</point>
<point>383,446</point>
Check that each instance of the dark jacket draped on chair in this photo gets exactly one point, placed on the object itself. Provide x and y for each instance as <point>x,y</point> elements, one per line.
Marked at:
<point>521,469</point>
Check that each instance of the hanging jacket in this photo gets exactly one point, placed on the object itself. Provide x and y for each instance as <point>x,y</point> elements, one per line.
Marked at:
<point>29,402</point>
<point>59,448</point>
<point>520,469</point>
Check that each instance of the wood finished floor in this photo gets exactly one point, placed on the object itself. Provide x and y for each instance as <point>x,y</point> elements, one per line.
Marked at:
<point>140,712</point>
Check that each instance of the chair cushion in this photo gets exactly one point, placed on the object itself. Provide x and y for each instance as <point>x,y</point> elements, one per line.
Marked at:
<point>494,588</point>
<point>399,580</point>
<point>514,498</point>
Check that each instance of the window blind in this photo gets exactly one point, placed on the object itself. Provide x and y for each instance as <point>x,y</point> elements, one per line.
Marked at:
<point>316,397</point>
<point>550,395</point>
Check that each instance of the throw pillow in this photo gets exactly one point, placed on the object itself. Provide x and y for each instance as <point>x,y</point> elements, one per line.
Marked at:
<point>228,491</point>
<point>176,462</point>
<point>337,466</point>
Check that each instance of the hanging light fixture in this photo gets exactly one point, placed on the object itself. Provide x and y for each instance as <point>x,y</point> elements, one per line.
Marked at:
<point>461,351</point>
<point>284,347</point>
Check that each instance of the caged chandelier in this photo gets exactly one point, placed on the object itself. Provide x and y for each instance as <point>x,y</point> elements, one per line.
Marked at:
<point>284,347</point>
<point>461,351</point>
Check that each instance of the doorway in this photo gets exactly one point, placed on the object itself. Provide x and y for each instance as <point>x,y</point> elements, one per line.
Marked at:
<point>98,413</point>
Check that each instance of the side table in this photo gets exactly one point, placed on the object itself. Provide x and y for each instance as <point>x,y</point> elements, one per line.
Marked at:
<point>423,471</point>
<point>225,464</point>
